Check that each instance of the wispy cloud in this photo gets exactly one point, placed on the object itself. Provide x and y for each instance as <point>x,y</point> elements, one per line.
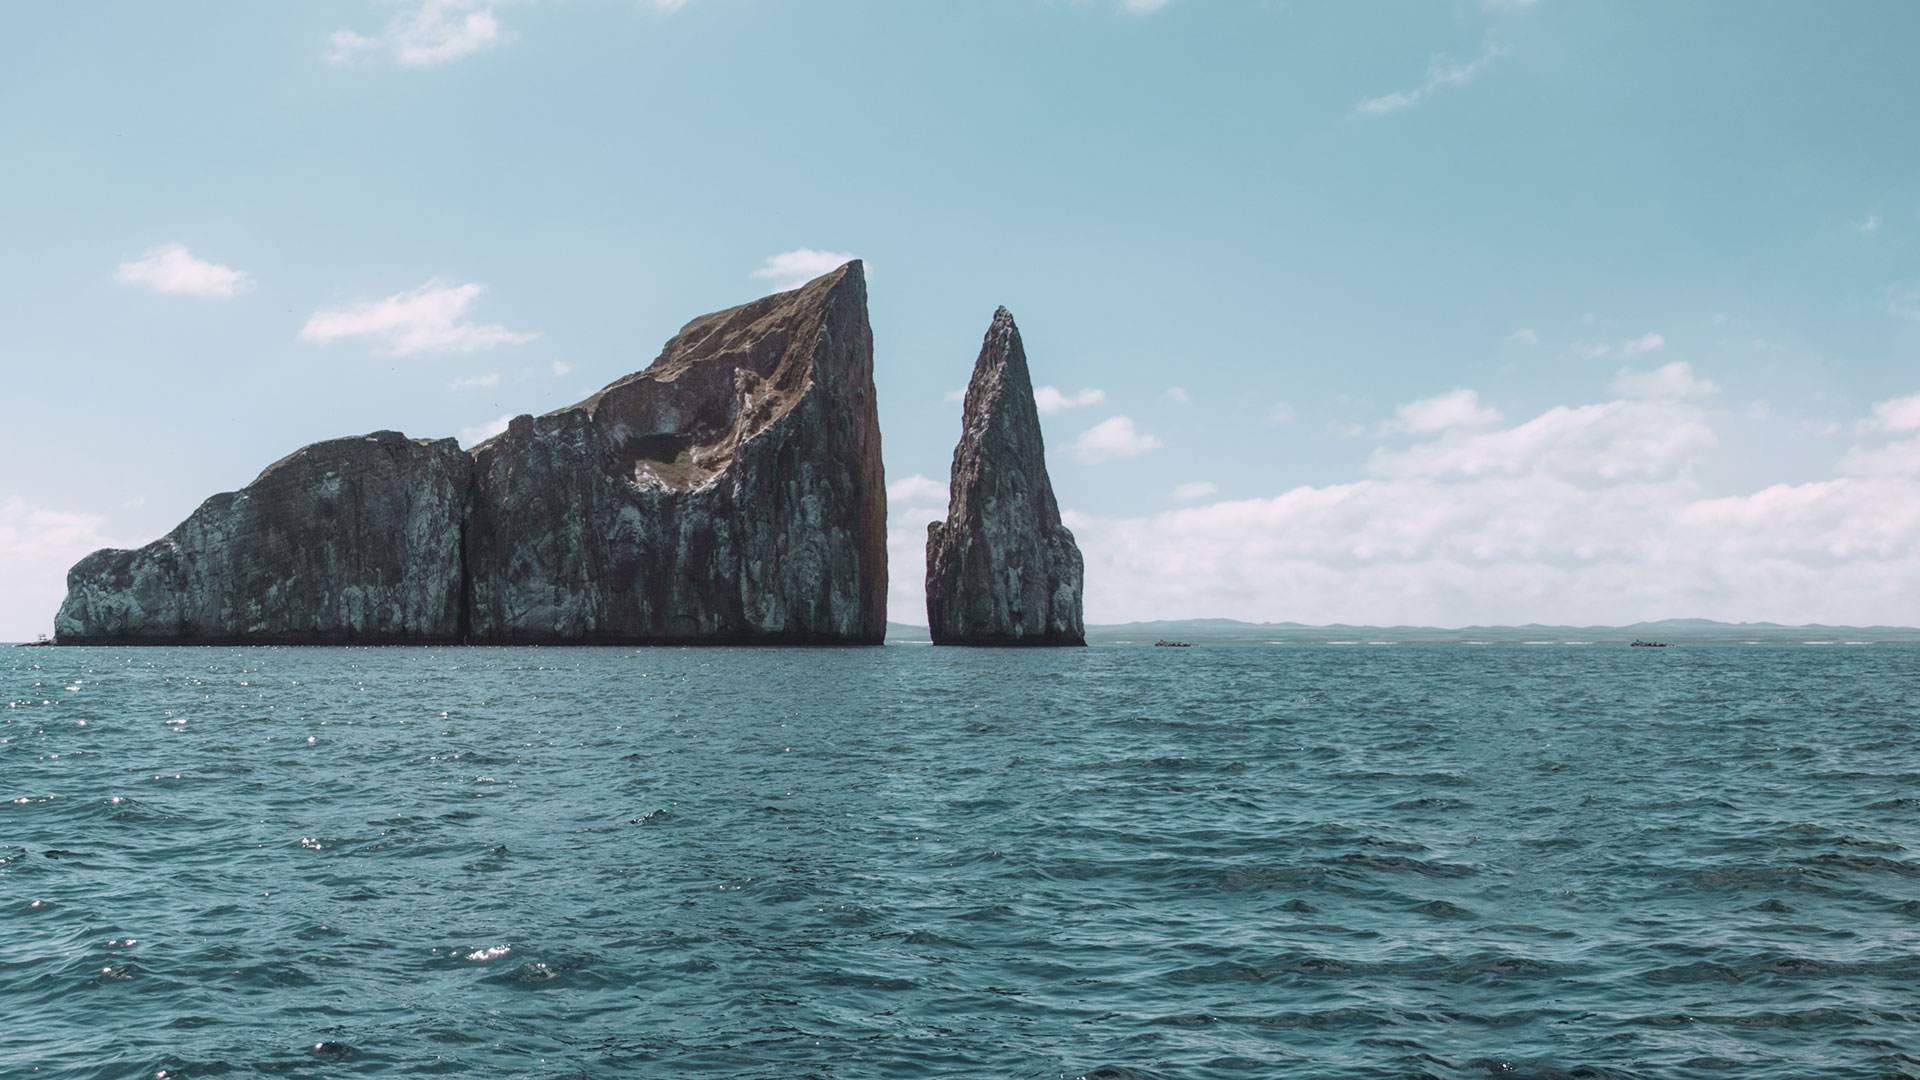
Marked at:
<point>1050,400</point>
<point>1645,343</point>
<point>477,382</point>
<point>1442,72</point>
<point>171,268</point>
<point>1458,408</point>
<point>1524,337</point>
<point>792,269</point>
<point>1112,439</point>
<point>562,369</point>
<point>471,437</point>
<point>1197,489</point>
<point>1176,394</point>
<point>917,489</point>
<point>1281,413</point>
<point>1669,382</point>
<point>431,318</point>
<point>425,33</point>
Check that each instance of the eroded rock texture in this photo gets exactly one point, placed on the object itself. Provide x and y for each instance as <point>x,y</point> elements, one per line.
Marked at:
<point>1002,570</point>
<point>354,540</point>
<point>730,493</point>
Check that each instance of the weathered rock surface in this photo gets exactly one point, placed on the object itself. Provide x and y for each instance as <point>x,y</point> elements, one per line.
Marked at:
<point>354,540</point>
<point>730,493</point>
<point>1002,570</point>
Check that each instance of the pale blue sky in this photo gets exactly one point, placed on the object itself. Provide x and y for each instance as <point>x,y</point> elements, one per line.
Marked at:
<point>1418,271</point>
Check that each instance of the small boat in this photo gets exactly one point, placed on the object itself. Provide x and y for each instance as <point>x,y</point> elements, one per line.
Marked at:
<point>1164,644</point>
<point>1638,644</point>
<point>41,640</point>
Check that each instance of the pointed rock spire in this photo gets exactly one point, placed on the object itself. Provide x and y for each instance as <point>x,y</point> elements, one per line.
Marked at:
<point>1002,570</point>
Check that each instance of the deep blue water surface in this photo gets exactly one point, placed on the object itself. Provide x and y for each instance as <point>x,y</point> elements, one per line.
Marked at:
<point>1218,862</point>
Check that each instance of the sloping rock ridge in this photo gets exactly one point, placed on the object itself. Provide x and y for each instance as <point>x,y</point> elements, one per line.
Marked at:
<point>354,540</point>
<point>1002,570</point>
<point>730,493</point>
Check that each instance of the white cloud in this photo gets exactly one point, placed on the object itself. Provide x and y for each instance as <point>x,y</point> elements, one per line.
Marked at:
<point>1904,299</point>
<point>1281,413</point>
<point>171,268</point>
<point>1458,408</point>
<point>477,382</point>
<point>431,318</point>
<point>792,269</point>
<point>1050,401</point>
<point>1583,514</point>
<point>1441,72</point>
<point>1197,489</point>
<point>1898,414</point>
<point>1645,343</point>
<point>37,547</point>
<point>424,34</point>
<point>1112,439</point>
<point>1176,394</point>
<point>667,6</point>
<point>1669,382</point>
<point>471,437</point>
<point>561,368</point>
<point>917,489</point>
<point>1871,224</point>
<point>1591,350</point>
<point>1524,337</point>
<point>1143,7</point>
<point>956,395</point>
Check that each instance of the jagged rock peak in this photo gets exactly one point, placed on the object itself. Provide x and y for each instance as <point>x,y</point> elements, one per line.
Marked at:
<point>1002,569</point>
<point>353,540</point>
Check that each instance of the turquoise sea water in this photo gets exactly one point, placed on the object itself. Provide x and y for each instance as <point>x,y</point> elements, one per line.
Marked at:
<point>1218,862</point>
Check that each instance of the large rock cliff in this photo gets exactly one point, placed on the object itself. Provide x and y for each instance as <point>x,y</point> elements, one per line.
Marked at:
<point>353,540</point>
<point>1002,570</point>
<point>730,493</point>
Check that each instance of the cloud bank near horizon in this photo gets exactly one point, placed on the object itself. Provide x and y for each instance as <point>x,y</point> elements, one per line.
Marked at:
<point>1584,514</point>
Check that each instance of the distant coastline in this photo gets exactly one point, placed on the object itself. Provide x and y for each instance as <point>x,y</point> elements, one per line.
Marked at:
<point>1677,631</point>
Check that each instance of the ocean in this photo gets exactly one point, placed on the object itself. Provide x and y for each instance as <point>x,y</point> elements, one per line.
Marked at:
<point>1234,861</point>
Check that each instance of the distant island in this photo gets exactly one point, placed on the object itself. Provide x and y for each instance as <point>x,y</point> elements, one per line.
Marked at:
<point>730,493</point>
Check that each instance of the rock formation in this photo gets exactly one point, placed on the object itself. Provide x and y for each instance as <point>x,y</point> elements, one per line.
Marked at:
<point>1002,570</point>
<point>730,493</point>
<point>348,541</point>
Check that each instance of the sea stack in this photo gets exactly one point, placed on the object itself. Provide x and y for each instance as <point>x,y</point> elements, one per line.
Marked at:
<point>350,541</point>
<point>1002,570</point>
<point>730,493</point>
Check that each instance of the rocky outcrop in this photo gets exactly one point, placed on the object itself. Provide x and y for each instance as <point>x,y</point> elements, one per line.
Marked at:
<point>350,541</point>
<point>730,493</point>
<point>1002,570</point>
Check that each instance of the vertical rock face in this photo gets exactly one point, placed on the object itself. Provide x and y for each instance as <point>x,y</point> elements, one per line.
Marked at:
<point>730,493</point>
<point>350,541</point>
<point>1002,570</point>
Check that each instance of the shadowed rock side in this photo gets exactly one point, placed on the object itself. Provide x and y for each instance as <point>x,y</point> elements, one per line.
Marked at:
<point>354,540</point>
<point>730,493</point>
<point>1002,570</point>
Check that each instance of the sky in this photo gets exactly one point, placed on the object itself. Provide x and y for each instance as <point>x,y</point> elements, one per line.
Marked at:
<point>1423,313</point>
